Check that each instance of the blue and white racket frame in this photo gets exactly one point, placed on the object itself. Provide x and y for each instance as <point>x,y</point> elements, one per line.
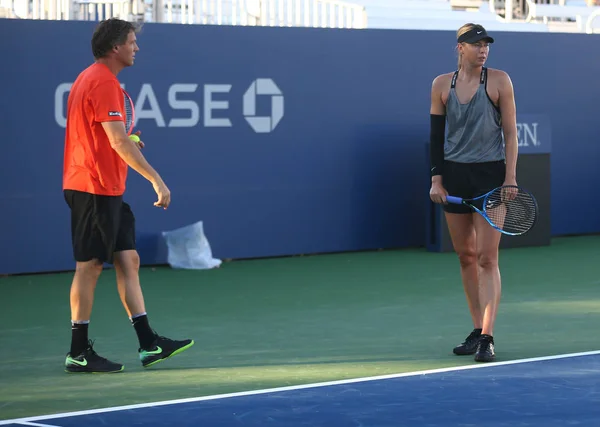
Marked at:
<point>460,201</point>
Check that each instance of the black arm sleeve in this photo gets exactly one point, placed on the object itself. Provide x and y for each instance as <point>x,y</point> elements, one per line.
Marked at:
<point>436,141</point>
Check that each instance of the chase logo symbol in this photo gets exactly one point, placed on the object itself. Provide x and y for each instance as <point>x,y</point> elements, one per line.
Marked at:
<point>263,124</point>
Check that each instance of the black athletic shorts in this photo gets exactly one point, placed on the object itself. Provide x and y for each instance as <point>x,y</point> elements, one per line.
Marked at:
<point>100,226</point>
<point>470,180</point>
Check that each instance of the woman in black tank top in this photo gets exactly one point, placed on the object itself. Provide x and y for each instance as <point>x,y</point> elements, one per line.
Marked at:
<point>478,154</point>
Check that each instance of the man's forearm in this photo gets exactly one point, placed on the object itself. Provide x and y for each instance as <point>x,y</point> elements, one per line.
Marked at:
<point>512,152</point>
<point>131,155</point>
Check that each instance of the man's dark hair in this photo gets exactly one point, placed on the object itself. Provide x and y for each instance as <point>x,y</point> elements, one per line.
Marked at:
<point>110,33</point>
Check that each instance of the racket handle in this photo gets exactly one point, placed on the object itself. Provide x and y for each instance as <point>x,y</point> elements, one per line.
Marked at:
<point>454,200</point>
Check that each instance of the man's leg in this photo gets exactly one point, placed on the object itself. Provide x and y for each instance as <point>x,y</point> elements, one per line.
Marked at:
<point>91,230</point>
<point>127,264</point>
<point>152,347</point>
<point>82,299</point>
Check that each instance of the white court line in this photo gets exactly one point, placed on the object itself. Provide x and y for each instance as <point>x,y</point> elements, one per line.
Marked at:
<point>295,387</point>
<point>27,423</point>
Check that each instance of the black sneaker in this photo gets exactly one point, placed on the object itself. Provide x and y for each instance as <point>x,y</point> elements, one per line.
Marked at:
<point>485,349</point>
<point>162,348</point>
<point>90,362</point>
<point>469,345</point>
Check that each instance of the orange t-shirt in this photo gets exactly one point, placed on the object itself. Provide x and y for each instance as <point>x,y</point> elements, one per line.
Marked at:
<point>90,163</point>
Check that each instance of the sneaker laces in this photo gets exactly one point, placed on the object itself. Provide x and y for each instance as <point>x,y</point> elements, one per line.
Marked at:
<point>160,337</point>
<point>473,336</point>
<point>484,343</point>
<point>91,352</point>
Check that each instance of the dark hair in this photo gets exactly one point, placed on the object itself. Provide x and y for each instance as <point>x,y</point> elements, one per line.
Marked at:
<point>110,33</point>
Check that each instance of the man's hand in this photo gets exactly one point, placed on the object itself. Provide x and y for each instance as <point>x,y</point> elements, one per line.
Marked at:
<point>140,144</point>
<point>163,193</point>
<point>126,149</point>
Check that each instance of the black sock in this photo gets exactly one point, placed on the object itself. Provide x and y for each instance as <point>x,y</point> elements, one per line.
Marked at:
<point>478,331</point>
<point>79,337</point>
<point>145,335</point>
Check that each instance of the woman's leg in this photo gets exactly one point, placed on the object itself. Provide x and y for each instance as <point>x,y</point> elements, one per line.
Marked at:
<point>462,233</point>
<point>488,242</point>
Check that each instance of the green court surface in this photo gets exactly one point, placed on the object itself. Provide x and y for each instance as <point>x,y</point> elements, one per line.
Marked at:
<point>268,323</point>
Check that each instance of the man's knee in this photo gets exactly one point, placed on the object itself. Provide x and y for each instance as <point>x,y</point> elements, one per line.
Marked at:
<point>128,261</point>
<point>86,275</point>
<point>89,268</point>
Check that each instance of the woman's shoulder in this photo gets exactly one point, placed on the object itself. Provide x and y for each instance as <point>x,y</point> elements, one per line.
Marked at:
<point>496,74</point>
<point>442,80</point>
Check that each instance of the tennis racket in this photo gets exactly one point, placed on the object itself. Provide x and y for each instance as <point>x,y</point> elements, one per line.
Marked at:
<point>509,209</point>
<point>129,113</point>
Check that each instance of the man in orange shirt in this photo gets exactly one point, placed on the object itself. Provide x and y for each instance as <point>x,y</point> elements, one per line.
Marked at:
<point>97,154</point>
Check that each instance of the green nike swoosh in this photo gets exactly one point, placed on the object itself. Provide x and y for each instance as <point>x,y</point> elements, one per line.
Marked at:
<point>157,351</point>
<point>77,362</point>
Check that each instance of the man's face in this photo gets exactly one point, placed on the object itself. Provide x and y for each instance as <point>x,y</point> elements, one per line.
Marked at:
<point>126,52</point>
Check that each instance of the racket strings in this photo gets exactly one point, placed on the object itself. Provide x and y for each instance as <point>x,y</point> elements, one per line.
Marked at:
<point>511,209</point>
<point>128,114</point>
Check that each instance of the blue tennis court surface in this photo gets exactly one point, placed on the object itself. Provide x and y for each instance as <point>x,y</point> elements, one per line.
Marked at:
<point>551,391</point>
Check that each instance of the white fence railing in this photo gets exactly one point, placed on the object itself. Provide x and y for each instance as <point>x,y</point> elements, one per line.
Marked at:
<point>289,13</point>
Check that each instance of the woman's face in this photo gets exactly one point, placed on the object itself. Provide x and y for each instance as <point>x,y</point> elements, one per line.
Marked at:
<point>475,54</point>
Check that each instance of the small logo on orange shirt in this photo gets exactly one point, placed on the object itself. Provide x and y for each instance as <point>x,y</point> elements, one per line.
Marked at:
<point>114,113</point>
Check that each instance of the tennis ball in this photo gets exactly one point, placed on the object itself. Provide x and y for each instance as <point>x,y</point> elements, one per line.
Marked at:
<point>134,138</point>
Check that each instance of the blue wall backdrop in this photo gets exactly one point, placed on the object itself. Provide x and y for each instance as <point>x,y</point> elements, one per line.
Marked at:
<point>282,140</point>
